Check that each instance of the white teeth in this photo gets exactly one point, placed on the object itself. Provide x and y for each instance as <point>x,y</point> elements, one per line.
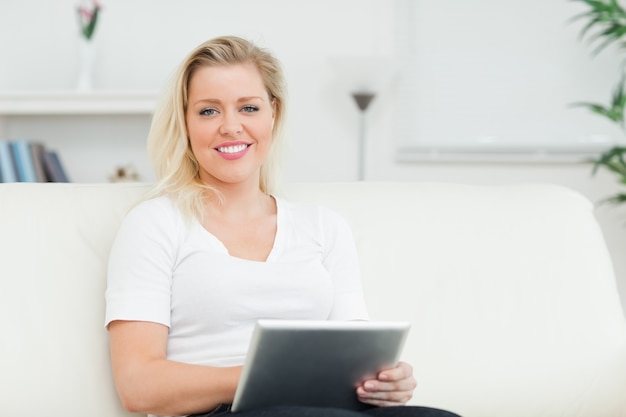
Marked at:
<point>232,149</point>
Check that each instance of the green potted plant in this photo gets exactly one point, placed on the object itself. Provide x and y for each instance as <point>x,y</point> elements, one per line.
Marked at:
<point>606,25</point>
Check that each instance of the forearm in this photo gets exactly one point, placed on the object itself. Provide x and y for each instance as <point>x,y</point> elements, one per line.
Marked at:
<point>147,382</point>
<point>164,387</point>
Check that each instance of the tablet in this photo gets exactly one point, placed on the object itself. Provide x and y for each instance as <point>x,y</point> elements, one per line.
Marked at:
<point>315,363</point>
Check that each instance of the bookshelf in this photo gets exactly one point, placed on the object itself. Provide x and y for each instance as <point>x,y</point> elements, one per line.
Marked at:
<point>93,131</point>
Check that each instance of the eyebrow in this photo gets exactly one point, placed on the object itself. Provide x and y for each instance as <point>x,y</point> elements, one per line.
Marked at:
<point>217,101</point>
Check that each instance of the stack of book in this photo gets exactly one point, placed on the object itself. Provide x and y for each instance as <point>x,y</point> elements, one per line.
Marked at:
<point>27,161</point>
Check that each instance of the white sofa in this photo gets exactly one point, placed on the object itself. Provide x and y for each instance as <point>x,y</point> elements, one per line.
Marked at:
<point>510,291</point>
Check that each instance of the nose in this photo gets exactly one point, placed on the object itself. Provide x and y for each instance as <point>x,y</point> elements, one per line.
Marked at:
<point>231,125</point>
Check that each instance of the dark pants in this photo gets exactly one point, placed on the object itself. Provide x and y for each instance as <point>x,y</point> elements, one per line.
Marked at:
<point>293,411</point>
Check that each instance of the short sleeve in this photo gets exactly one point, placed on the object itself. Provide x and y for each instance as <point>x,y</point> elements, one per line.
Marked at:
<point>341,261</point>
<point>141,261</point>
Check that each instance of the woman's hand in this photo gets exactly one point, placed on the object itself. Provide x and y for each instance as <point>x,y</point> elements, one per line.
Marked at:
<point>390,388</point>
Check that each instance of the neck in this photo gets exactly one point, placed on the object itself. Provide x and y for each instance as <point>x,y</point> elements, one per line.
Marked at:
<point>240,200</point>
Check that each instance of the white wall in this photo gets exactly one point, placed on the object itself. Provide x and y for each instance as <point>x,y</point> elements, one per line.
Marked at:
<point>501,74</point>
<point>139,42</point>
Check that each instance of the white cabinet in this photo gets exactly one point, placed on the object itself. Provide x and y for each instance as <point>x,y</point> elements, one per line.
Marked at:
<point>93,133</point>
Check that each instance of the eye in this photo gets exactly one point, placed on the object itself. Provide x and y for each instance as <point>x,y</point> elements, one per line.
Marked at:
<point>208,112</point>
<point>250,109</point>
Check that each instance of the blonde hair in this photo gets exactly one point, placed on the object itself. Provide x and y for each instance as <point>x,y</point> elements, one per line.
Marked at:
<point>169,150</point>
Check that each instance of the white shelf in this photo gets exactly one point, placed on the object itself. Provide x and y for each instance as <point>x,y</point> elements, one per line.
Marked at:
<point>105,102</point>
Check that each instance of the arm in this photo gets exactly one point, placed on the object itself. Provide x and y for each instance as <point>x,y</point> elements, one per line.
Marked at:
<point>392,387</point>
<point>342,263</point>
<point>149,383</point>
<point>138,298</point>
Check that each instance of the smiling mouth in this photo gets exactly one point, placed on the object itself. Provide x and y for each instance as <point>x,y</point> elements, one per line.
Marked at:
<point>232,149</point>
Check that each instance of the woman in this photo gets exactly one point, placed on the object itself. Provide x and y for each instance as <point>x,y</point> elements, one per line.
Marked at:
<point>212,249</point>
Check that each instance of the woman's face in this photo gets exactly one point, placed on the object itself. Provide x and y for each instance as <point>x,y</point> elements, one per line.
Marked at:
<point>229,122</point>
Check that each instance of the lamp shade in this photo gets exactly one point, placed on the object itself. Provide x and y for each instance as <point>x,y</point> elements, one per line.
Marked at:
<point>363,99</point>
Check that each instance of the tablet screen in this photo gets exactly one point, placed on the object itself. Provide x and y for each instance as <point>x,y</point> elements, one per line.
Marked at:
<point>316,363</point>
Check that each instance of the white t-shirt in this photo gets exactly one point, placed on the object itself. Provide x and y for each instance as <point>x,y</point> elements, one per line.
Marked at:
<point>167,270</point>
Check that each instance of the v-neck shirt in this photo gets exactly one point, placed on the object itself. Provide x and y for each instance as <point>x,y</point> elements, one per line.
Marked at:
<point>166,269</point>
<point>277,244</point>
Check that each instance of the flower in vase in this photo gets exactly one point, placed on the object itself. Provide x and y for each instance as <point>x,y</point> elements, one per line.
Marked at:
<point>87,18</point>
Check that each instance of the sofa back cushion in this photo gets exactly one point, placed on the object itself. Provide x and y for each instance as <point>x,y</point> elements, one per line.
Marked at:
<point>510,291</point>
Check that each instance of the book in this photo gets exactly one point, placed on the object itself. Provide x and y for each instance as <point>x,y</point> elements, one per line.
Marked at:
<point>53,167</point>
<point>8,171</point>
<point>23,161</point>
<point>37,151</point>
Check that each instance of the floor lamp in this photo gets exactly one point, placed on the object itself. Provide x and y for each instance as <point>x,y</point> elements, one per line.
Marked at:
<point>363,77</point>
<point>363,100</point>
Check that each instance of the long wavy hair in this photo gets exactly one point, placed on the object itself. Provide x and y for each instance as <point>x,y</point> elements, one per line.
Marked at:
<point>169,150</point>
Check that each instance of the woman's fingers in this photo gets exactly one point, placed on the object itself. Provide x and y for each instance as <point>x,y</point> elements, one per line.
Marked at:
<point>392,387</point>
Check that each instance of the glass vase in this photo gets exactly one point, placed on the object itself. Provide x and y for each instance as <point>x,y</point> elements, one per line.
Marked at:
<point>86,60</point>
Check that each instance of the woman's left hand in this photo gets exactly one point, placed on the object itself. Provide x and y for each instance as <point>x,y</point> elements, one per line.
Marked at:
<point>391,387</point>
